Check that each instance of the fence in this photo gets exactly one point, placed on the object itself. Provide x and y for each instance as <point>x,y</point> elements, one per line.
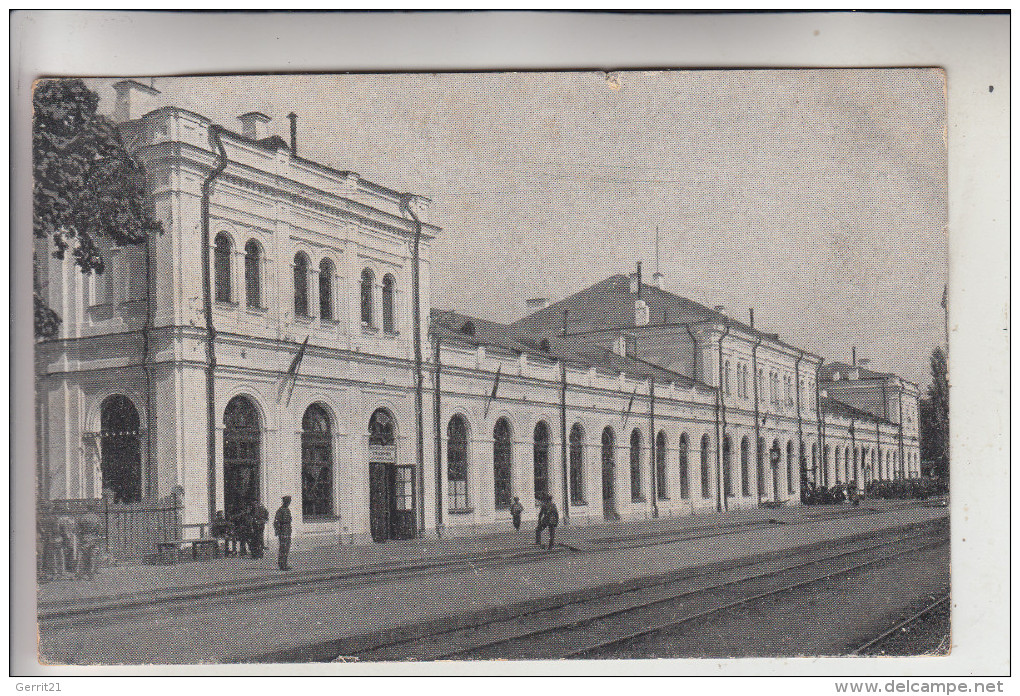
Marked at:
<point>132,530</point>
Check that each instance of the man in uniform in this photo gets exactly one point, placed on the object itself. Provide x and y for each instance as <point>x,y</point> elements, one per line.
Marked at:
<point>548,516</point>
<point>259,517</point>
<point>281,525</point>
<point>242,528</point>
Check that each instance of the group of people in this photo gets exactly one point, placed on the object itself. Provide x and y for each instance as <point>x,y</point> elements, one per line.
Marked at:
<point>243,533</point>
<point>548,517</point>
<point>69,543</point>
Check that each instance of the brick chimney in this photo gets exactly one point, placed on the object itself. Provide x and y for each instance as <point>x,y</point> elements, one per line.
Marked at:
<point>253,125</point>
<point>134,100</point>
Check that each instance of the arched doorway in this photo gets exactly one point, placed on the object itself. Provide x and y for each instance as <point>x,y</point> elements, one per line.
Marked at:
<point>577,496</point>
<point>609,474</point>
<point>727,456</point>
<point>502,464</point>
<point>241,455</point>
<point>745,476</point>
<point>120,449</point>
<point>789,467</point>
<point>316,463</point>
<point>390,486</point>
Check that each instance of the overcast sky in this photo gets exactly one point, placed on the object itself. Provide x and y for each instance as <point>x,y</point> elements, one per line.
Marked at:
<point>816,197</point>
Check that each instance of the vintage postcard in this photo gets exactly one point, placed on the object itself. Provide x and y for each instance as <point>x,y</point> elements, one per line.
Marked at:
<point>491,366</point>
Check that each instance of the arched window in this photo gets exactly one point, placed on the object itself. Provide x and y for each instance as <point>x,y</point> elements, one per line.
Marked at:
<point>726,377</point>
<point>608,472</point>
<point>380,428</point>
<point>253,274</point>
<point>242,437</point>
<point>316,463</point>
<point>761,466</point>
<point>326,274</point>
<point>367,281</point>
<point>541,459</point>
<point>803,465</point>
<point>825,466</point>
<point>847,466</point>
<point>635,465</point>
<point>661,490</point>
<point>221,267</point>
<point>456,463</point>
<point>577,464</point>
<point>706,489</point>
<point>502,463</point>
<point>789,467</point>
<point>388,285</point>
<point>727,466</point>
<point>301,268</point>
<point>685,483</point>
<point>120,449</point>
<point>745,464</point>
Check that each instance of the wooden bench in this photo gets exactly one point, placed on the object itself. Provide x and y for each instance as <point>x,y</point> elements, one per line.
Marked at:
<point>170,552</point>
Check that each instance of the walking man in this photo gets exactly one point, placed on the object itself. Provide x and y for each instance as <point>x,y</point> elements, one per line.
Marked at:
<point>548,516</point>
<point>281,525</point>
<point>515,512</point>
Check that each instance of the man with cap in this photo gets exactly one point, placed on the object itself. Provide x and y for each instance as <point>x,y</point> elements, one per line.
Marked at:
<point>548,516</point>
<point>281,525</point>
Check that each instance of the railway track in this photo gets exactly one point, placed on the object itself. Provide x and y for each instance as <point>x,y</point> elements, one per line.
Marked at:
<point>935,615</point>
<point>92,614</point>
<point>588,625</point>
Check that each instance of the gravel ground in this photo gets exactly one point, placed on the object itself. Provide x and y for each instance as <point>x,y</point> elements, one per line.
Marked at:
<point>830,618</point>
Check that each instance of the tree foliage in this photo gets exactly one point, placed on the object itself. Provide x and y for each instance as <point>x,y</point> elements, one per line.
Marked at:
<point>86,185</point>
<point>934,416</point>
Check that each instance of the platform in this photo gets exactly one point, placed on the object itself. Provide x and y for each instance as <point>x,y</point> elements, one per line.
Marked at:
<point>135,583</point>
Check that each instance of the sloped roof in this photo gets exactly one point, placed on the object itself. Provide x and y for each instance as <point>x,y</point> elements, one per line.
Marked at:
<point>829,369</point>
<point>609,304</point>
<point>575,350</point>
<point>475,331</point>
<point>844,410</point>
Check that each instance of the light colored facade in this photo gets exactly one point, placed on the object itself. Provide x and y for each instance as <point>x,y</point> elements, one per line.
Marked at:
<point>300,380</point>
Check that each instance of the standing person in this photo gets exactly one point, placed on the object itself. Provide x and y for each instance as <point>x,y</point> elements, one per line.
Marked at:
<point>552,520</point>
<point>90,532</point>
<point>52,544</point>
<point>243,526</point>
<point>67,528</point>
<point>281,525</point>
<point>259,517</point>
<point>220,530</point>
<point>515,512</point>
<point>548,516</point>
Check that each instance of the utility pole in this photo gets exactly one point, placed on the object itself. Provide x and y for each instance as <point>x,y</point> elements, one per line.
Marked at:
<point>416,312</point>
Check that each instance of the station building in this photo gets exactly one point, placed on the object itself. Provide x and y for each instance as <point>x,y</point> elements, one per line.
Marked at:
<point>263,346</point>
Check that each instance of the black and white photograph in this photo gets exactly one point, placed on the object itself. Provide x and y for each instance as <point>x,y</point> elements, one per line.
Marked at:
<point>492,367</point>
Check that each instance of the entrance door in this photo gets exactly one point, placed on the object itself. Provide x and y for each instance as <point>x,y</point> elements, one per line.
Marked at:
<point>379,500</point>
<point>241,455</point>
<point>609,475</point>
<point>391,501</point>
<point>402,523</point>
<point>120,449</point>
